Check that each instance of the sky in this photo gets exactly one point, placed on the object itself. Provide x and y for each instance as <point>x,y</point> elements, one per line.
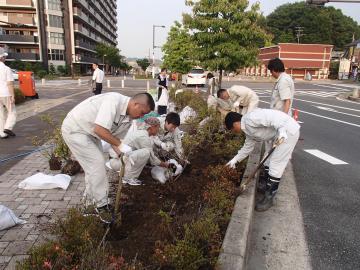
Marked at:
<point>137,17</point>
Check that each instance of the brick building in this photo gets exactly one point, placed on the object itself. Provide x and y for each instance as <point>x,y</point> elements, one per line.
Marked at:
<point>299,59</point>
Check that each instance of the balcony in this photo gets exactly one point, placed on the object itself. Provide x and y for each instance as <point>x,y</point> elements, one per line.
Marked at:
<point>24,56</point>
<point>19,38</point>
<point>85,45</point>
<point>87,59</point>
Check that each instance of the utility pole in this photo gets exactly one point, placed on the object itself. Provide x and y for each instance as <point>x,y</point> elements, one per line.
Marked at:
<point>153,53</point>
<point>299,32</point>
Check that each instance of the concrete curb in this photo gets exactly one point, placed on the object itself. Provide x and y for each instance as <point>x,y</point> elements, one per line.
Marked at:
<point>234,251</point>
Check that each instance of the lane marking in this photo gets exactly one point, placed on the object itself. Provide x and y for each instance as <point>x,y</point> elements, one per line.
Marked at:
<point>331,87</point>
<point>325,117</point>
<point>326,109</point>
<point>319,154</point>
<point>328,105</point>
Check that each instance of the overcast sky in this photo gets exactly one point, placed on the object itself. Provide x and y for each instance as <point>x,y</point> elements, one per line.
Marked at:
<point>136,18</point>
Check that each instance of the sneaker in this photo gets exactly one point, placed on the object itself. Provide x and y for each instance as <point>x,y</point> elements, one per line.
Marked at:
<point>9,132</point>
<point>132,181</point>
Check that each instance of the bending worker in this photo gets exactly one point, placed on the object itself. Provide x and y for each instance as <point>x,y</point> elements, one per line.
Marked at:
<point>139,140</point>
<point>241,98</point>
<point>102,117</point>
<point>264,125</point>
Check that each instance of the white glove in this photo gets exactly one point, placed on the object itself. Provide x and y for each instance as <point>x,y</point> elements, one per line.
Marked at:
<point>232,163</point>
<point>115,164</point>
<point>124,148</point>
<point>163,146</point>
<point>282,135</point>
<point>236,104</point>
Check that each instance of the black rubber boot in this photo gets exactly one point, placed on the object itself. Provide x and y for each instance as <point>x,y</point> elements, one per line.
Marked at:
<point>264,175</point>
<point>268,200</point>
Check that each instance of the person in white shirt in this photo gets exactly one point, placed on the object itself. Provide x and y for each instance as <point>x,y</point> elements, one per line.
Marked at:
<point>163,95</point>
<point>7,98</point>
<point>241,98</point>
<point>104,117</point>
<point>97,79</point>
<point>265,125</point>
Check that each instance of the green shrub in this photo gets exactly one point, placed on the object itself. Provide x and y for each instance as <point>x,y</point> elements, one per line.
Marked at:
<point>19,96</point>
<point>41,73</point>
<point>61,70</point>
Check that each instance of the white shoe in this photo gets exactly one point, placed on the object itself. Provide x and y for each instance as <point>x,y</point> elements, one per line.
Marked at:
<point>132,181</point>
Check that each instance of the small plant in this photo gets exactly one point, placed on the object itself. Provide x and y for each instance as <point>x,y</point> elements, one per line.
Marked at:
<point>41,74</point>
<point>19,96</point>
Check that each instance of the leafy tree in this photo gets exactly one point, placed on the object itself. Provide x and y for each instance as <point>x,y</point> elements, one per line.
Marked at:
<point>320,24</point>
<point>143,63</point>
<point>179,50</point>
<point>227,32</point>
<point>52,69</point>
<point>110,54</point>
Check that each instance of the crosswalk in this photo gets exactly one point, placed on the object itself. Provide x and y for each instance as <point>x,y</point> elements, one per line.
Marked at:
<point>305,93</point>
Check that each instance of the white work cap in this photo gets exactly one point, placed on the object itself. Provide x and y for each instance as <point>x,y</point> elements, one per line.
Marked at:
<point>3,53</point>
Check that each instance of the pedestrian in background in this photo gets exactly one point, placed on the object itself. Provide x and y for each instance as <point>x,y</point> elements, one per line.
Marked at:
<point>163,95</point>
<point>97,79</point>
<point>7,98</point>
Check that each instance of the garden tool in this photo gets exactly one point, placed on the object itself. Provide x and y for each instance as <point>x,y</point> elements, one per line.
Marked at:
<point>251,177</point>
<point>117,215</point>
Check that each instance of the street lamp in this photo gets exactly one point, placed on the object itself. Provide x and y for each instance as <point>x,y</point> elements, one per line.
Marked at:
<point>153,55</point>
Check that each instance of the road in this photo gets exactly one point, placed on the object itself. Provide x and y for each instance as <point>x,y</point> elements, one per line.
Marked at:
<point>326,160</point>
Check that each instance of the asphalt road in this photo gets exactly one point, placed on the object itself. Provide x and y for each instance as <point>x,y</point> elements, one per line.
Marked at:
<point>328,193</point>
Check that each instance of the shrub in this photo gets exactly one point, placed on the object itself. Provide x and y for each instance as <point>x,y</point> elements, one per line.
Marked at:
<point>61,70</point>
<point>19,96</point>
<point>41,73</point>
<point>52,69</point>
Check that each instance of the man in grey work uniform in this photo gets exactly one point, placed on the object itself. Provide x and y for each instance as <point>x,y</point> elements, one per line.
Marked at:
<point>104,117</point>
<point>281,99</point>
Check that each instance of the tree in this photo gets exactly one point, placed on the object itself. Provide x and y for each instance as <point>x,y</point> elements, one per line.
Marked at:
<point>179,50</point>
<point>325,25</point>
<point>227,32</point>
<point>110,54</point>
<point>143,63</point>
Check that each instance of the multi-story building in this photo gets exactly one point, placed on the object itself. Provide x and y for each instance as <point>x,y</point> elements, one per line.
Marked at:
<point>57,32</point>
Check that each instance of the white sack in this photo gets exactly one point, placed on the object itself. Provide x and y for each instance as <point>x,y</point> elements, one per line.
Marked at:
<point>8,218</point>
<point>44,181</point>
<point>163,174</point>
<point>186,114</point>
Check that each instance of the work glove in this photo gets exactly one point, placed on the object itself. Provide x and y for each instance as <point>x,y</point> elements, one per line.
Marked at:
<point>124,148</point>
<point>115,164</point>
<point>232,163</point>
<point>236,104</point>
<point>282,135</point>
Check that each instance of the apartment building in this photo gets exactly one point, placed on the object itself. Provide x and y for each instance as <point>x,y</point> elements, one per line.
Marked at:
<point>57,32</point>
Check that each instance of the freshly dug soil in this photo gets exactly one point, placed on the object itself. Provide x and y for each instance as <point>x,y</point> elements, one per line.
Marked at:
<point>55,163</point>
<point>142,225</point>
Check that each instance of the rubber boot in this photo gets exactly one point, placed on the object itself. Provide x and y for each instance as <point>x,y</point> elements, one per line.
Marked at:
<point>272,186</point>
<point>264,175</point>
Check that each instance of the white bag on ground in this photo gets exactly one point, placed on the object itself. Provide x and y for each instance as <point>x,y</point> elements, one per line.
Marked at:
<point>186,114</point>
<point>44,181</point>
<point>8,218</point>
<point>163,174</point>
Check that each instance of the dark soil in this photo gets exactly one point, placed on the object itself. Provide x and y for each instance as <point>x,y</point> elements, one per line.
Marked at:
<point>55,163</point>
<point>142,226</point>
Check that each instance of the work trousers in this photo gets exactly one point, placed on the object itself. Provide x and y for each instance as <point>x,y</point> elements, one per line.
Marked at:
<point>98,89</point>
<point>88,152</point>
<point>8,118</point>
<point>135,163</point>
<point>279,159</point>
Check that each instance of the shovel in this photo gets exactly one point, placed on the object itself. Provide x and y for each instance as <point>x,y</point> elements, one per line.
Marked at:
<point>117,215</point>
<point>251,177</point>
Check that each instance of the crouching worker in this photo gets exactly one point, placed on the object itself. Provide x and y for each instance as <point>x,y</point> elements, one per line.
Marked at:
<point>168,144</point>
<point>142,152</point>
<point>101,117</point>
<point>266,125</point>
<point>241,98</point>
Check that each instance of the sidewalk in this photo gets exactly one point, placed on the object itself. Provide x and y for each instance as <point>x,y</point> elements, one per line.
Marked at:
<point>37,207</point>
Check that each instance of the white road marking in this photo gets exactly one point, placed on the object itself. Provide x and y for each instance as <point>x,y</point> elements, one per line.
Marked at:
<point>326,109</point>
<point>322,116</point>
<point>327,86</point>
<point>332,160</point>
<point>328,105</point>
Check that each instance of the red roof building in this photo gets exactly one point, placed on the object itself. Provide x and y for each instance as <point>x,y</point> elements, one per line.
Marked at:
<point>299,59</point>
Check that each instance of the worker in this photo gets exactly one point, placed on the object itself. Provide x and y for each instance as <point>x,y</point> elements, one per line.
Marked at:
<point>97,79</point>
<point>102,117</point>
<point>163,95</point>
<point>167,145</point>
<point>264,125</point>
<point>142,151</point>
<point>284,89</point>
<point>241,98</point>
<point>7,98</point>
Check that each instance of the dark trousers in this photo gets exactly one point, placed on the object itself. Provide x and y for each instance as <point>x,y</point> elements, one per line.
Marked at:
<point>162,110</point>
<point>98,89</point>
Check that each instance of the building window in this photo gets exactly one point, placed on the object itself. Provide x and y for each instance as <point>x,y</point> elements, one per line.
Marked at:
<point>54,4</point>
<point>56,38</point>
<point>57,55</point>
<point>55,21</point>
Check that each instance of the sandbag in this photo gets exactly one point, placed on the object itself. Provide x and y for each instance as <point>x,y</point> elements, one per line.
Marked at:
<point>44,181</point>
<point>162,174</point>
<point>186,114</point>
<point>8,218</point>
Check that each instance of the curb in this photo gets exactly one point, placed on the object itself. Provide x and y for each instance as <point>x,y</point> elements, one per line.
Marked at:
<point>234,250</point>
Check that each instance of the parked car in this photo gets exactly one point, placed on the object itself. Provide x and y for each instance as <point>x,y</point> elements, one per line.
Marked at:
<point>15,74</point>
<point>196,76</point>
